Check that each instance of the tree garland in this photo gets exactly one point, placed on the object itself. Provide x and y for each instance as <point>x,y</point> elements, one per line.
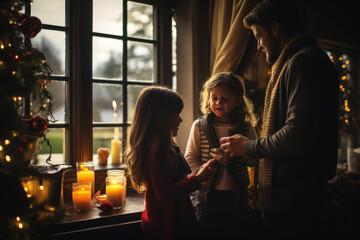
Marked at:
<point>24,76</point>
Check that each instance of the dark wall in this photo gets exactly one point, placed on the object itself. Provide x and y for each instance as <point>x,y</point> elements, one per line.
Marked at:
<point>335,20</point>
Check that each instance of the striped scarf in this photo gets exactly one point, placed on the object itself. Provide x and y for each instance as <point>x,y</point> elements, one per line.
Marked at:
<point>270,115</point>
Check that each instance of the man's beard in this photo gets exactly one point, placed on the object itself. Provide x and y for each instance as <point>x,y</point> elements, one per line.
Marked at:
<point>271,58</point>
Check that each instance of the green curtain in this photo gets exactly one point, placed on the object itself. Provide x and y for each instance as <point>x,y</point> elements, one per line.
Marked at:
<point>229,37</point>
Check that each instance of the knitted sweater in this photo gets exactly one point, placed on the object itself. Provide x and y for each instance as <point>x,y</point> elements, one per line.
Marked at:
<point>198,152</point>
<point>303,141</point>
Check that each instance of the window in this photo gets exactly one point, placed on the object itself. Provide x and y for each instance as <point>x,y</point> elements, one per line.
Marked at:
<point>102,54</point>
<point>345,67</point>
<point>51,41</point>
<point>123,64</point>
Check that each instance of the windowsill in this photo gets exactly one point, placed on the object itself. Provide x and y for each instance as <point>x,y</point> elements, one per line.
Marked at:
<point>57,158</point>
<point>94,221</point>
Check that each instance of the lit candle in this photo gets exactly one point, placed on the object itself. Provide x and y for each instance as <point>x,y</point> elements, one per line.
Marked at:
<point>81,195</point>
<point>116,129</point>
<point>115,143</point>
<point>115,191</point>
<point>86,174</point>
<point>118,173</point>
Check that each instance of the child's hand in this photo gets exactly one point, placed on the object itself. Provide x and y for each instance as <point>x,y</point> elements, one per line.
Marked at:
<point>206,171</point>
<point>220,156</point>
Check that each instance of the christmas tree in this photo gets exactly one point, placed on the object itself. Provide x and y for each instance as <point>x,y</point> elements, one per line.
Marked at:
<point>24,76</point>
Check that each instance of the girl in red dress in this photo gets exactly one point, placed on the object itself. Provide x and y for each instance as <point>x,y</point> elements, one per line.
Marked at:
<point>157,166</point>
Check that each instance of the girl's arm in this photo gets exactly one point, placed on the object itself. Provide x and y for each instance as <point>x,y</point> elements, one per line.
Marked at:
<point>192,153</point>
<point>160,180</point>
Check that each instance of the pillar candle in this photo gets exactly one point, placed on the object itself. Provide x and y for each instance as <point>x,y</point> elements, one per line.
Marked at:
<point>115,192</point>
<point>81,195</point>
<point>116,129</point>
<point>118,173</point>
<point>85,173</point>
<point>115,151</point>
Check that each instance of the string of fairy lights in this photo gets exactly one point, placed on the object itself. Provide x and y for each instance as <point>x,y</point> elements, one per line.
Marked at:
<point>343,64</point>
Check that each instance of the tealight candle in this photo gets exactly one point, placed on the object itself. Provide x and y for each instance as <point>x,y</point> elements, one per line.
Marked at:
<point>85,173</point>
<point>115,191</point>
<point>81,196</point>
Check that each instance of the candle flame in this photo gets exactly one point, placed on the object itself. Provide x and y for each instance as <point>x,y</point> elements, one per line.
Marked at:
<point>114,105</point>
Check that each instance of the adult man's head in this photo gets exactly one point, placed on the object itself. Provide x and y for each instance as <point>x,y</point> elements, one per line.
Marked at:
<point>274,23</point>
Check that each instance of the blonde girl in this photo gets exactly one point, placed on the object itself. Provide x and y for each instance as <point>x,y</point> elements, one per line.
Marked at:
<point>222,204</point>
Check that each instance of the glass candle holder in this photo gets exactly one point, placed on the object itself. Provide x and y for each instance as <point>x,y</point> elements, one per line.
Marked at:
<point>115,191</point>
<point>116,173</point>
<point>81,196</point>
<point>85,173</point>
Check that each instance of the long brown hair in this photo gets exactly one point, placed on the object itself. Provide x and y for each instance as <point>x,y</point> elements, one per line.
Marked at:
<point>244,111</point>
<point>149,133</point>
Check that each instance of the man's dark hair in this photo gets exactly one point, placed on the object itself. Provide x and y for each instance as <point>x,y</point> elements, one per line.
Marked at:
<point>281,11</point>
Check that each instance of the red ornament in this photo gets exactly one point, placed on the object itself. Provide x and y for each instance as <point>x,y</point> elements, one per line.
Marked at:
<point>38,124</point>
<point>106,207</point>
<point>30,26</point>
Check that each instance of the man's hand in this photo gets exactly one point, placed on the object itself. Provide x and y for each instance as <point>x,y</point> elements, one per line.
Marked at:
<point>234,145</point>
<point>220,156</point>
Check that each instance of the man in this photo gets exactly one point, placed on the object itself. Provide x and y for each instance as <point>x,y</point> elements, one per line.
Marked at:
<point>298,147</point>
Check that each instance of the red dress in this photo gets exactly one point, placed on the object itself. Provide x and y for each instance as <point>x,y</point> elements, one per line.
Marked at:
<point>168,210</point>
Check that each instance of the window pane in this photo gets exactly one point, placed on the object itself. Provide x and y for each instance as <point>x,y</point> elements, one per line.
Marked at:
<point>49,11</point>
<point>58,91</point>
<point>52,45</point>
<point>133,93</point>
<point>108,16</point>
<point>140,61</point>
<point>103,97</point>
<point>140,20</point>
<point>107,58</point>
<point>56,138</point>
<point>102,138</point>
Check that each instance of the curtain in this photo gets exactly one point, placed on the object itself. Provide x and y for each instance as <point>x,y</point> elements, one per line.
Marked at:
<point>229,38</point>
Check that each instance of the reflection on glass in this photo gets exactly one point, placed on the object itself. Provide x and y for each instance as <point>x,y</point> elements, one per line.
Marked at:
<point>49,11</point>
<point>140,61</point>
<point>103,97</point>
<point>133,93</point>
<point>107,58</point>
<point>108,16</point>
<point>140,20</point>
<point>102,139</point>
<point>174,56</point>
<point>346,62</point>
<point>57,90</point>
<point>56,138</point>
<point>52,45</point>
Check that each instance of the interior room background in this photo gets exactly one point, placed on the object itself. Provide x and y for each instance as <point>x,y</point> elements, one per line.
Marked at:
<point>103,53</point>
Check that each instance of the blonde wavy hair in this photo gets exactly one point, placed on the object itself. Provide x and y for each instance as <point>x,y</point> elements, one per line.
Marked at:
<point>244,111</point>
<point>148,132</point>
